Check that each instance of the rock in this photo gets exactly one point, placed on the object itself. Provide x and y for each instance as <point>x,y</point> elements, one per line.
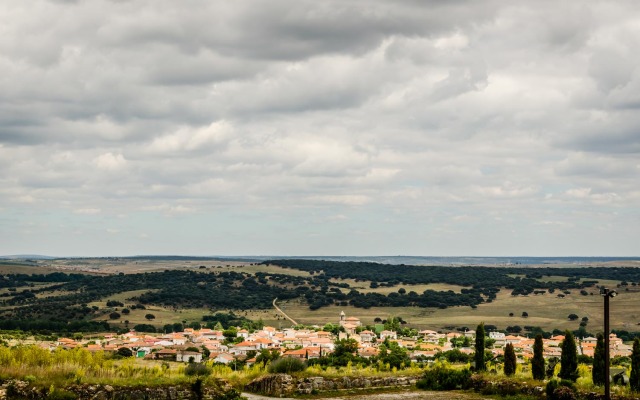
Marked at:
<point>276,385</point>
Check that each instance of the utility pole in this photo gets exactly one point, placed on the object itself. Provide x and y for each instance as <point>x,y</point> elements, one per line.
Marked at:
<point>607,294</point>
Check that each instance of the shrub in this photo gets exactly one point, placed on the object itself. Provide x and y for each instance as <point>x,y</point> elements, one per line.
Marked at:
<point>442,378</point>
<point>124,352</point>
<point>194,369</point>
<point>230,394</point>
<point>552,385</point>
<point>563,393</point>
<point>455,356</point>
<point>144,328</point>
<point>560,390</point>
<point>286,365</point>
<point>59,394</point>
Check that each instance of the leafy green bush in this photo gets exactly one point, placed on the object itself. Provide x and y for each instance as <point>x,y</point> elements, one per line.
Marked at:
<point>286,365</point>
<point>443,378</point>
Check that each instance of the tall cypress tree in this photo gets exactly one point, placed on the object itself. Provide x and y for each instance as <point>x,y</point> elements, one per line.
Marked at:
<point>634,380</point>
<point>569,358</point>
<point>479,356</point>
<point>537,363</point>
<point>597,373</point>
<point>509,360</point>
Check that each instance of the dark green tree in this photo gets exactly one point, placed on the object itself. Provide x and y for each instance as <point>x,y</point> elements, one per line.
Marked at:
<point>345,346</point>
<point>124,352</point>
<point>634,379</point>
<point>391,353</point>
<point>509,360</point>
<point>597,373</point>
<point>537,363</point>
<point>569,358</point>
<point>392,324</point>
<point>267,356</point>
<point>479,356</point>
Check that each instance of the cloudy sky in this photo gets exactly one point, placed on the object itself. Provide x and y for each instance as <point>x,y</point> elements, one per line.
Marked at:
<point>295,127</point>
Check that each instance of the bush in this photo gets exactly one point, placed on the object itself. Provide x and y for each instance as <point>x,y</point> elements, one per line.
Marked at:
<point>560,390</point>
<point>455,356</point>
<point>442,378</point>
<point>552,385</point>
<point>124,352</point>
<point>59,394</point>
<point>563,393</point>
<point>230,394</point>
<point>286,365</point>
<point>144,328</point>
<point>194,369</point>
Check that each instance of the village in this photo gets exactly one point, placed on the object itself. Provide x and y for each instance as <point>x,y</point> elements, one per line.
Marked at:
<point>198,345</point>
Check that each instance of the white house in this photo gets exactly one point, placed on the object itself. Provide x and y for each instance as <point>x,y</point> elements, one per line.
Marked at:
<point>188,356</point>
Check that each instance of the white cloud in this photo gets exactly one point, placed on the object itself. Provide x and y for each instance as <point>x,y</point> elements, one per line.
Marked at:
<point>110,162</point>
<point>189,139</point>
<point>87,211</point>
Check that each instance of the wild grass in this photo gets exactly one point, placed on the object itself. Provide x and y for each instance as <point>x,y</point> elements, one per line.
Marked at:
<point>63,367</point>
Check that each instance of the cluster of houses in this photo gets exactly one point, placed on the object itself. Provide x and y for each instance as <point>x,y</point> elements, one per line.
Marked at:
<point>190,345</point>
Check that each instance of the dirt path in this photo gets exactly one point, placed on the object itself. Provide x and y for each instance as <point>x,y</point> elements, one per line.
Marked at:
<point>282,312</point>
<point>400,395</point>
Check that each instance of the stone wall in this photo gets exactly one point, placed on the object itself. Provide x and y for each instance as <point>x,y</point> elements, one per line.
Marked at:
<point>279,385</point>
<point>15,389</point>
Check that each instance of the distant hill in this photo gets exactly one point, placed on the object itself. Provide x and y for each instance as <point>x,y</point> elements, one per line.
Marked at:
<point>26,257</point>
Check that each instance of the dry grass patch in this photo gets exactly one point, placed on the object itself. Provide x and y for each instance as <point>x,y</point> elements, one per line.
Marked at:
<point>273,269</point>
<point>9,268</point>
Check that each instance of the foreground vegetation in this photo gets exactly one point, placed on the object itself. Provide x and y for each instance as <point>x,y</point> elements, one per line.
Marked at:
<point>69,368</point>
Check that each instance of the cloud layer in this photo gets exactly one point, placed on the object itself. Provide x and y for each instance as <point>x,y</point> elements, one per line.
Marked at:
<point>305,127</point>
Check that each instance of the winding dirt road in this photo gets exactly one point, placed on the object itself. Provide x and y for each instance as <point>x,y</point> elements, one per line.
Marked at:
<point>282,312</point>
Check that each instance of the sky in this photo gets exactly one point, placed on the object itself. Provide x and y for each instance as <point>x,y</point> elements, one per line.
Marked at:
<point>337,127</point>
